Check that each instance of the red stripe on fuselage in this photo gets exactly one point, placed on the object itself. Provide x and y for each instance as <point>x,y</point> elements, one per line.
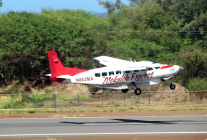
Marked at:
<point>168,66</point>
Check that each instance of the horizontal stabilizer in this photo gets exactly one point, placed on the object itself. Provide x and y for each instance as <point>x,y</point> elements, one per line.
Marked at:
<point>49,75</point>
<point>64,77</point>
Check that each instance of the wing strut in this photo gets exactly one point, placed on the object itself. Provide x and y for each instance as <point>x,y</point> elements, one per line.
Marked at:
<point>143,74</point>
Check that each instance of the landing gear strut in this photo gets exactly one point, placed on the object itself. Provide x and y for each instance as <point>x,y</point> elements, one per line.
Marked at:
<point>137,91</point>
<point>172,85</point>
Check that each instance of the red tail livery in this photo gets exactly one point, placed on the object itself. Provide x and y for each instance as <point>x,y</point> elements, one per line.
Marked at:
<point>57,68</point>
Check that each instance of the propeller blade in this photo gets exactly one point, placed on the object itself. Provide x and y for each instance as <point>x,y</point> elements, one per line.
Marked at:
<point>178,60</point>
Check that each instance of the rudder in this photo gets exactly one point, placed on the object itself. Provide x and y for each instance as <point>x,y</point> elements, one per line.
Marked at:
<point>57,68</point>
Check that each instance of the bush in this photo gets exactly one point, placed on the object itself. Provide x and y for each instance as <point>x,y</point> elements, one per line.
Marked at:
<point>197,84</point>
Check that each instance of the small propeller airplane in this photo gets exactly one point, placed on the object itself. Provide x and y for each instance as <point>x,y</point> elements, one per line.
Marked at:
<point>117,74</point>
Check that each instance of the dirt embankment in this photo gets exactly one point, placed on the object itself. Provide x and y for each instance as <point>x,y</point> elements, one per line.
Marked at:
<point>45,85</point>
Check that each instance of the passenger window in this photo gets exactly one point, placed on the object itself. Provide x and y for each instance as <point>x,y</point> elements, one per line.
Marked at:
<point>136,70</point>
<point>111,73</point>
<point>118,72</point>
<point>97,75</point>
<point>157,67</point>
<point>149,68</point>
<point>104,73</point>
<point>128,71</point>
<point>143,70</point>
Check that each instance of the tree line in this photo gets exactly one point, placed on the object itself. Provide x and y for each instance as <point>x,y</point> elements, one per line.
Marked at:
<point>154,30</point>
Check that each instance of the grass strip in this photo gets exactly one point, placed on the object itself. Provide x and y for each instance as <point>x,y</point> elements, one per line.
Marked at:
<point>108,109</point>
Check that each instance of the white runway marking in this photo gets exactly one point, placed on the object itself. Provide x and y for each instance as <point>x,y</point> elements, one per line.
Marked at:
<point>93,134</point>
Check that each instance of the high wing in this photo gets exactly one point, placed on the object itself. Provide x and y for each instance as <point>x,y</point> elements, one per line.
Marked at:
<point>110,61</point>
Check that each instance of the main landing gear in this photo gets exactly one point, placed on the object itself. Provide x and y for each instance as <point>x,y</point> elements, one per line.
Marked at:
<point>124,90</point>
<point>172,85</point>
<point>137,91</point>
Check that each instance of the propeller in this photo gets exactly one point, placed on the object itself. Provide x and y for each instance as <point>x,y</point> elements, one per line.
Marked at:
<point>181,68</point>
<point>178,60</point>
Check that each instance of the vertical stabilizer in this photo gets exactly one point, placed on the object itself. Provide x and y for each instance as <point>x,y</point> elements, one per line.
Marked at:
<point>57,68</point>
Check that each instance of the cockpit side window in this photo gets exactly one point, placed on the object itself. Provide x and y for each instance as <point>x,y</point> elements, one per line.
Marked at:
<point>149,68</point>
<point>136,70</point>
<point>111,73</point>
<point>157,67</point>
<point>127,71</point>
<point>104,73</point>
<point>118,72</point>
<point>97,75</point>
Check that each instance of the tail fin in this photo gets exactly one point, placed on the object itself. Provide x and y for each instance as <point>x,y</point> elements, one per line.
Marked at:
<point>57,68</point>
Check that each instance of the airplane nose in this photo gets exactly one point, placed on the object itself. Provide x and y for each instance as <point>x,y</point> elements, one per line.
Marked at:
<point>178,68</point>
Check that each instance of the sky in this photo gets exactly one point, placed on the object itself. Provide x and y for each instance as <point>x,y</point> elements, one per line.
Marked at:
<point>36,5</point>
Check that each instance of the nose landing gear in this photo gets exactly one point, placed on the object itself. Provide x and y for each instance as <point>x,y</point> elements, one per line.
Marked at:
<point>172,85</point>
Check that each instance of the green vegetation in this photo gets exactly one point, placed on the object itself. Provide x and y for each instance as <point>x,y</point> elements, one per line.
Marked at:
<point>38,99</point>
<point>109,109</point>
<point>54,100</point>
<point>152,30</point>
<point>197,84</point>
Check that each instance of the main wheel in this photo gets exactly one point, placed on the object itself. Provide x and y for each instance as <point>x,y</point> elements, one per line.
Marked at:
<point>137,91</point>
<point>172,86</point>
<point>124,90</point>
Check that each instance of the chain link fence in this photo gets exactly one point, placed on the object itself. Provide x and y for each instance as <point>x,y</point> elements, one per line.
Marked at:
<point>100,99</point>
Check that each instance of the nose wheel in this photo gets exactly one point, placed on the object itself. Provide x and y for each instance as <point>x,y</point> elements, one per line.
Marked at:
<point>172,85</point>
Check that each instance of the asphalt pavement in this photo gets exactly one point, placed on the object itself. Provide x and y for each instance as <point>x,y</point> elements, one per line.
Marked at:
<point>103,126</point>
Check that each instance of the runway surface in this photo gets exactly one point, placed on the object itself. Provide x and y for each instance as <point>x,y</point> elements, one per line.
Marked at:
<point>106,126</point>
